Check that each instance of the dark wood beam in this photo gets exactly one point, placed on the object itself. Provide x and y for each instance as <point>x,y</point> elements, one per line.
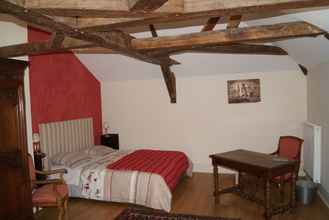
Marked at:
<point>168,75</point>
<point>250,49</point>
<point>86,47</point>
<point>224,37</point>
<point>147,5</point>
<point>170,81</point>
<point>106,9</point>
<point>57,40</point>
<point>188,42</point>
<point>303,69</point>
<point>115,39</point>
<point>234,22</point>
<point>244,7</point>
<point>36,48</point>
<point>327,36</point>
<point>211,23</point>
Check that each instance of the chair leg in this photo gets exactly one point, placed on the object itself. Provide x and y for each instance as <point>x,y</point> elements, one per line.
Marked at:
<point>281,189</point>
<point>65,204</point>
<point>61,213</point>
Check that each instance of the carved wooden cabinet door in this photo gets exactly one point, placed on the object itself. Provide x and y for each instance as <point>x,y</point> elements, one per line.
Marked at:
<point>15,187</point>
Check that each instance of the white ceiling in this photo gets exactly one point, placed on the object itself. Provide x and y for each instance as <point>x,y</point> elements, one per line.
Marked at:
<point>306,51</point>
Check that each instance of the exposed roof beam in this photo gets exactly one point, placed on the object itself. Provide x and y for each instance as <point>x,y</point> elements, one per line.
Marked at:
<point>105,9</point>
<point>36,48</point>
<point>237,8</point>
<point>146,5</point>
<point>303,69</point>
<point>188,42</point>
<point>211,23</point>
<point>57,40</point>
<point>168,75</point>
<point>18,2</point>
<point>170,81</point>
<point>116,40</point>
<point>234,21</point>
<point>224,37</point>
<point>250,49</point>
<point>86,47</point>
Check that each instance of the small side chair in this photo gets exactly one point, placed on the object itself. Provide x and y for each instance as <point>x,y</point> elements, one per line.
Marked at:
<point>289,147</point>
<point>49,193</point>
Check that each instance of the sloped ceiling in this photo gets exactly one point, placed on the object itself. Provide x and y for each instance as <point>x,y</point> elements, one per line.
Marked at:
<point>306,51</point>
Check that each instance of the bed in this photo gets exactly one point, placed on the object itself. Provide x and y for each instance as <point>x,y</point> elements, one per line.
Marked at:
<point>141,176</point>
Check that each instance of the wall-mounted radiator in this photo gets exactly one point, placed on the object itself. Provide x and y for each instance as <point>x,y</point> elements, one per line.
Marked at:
<point>312,151</point>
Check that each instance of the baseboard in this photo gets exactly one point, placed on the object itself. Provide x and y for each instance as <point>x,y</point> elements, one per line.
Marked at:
<point>324,195</point>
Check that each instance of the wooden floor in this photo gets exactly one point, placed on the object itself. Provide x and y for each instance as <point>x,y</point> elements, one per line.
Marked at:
<point>193,196</point>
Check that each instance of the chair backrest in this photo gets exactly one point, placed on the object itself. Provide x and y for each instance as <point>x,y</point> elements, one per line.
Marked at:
<point>290,147</point>
<point>32,171</point>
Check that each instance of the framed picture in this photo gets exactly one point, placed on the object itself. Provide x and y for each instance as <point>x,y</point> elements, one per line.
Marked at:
<point>243,91</point>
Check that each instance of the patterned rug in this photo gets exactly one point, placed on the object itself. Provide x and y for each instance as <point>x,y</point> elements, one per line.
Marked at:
<point>149,214</point>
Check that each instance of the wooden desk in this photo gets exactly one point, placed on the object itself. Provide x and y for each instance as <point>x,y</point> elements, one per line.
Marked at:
<point>256,164</point>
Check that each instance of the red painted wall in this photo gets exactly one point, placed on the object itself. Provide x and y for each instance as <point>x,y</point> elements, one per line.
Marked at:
<point>62,88</point>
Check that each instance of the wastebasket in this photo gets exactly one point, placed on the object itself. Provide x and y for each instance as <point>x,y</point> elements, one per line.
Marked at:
<point>305,191</point>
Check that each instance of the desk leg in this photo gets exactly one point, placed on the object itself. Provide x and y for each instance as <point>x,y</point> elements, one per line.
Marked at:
<point>267,199</point>
<point>216,184</point>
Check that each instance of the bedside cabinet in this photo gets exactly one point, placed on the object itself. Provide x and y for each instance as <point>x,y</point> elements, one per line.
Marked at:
<point>38,163</point>
<point>110,140</point>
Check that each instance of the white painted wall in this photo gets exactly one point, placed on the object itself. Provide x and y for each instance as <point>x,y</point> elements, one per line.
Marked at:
<point>318,113</point>
<point>203,122</point>
<point>14,32</point>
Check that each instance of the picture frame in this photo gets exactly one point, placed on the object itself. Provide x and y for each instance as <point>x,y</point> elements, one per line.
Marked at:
<point>244,91</point>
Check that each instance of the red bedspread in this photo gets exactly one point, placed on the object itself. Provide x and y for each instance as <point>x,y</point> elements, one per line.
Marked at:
<point>168,164</point>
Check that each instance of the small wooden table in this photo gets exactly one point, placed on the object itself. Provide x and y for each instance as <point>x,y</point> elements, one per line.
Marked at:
<point>257,164</point>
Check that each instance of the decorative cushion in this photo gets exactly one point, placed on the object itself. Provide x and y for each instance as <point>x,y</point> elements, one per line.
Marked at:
<point>47,194</point>
<point>98,151</point>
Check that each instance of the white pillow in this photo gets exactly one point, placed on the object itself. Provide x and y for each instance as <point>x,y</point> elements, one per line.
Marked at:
<point>98,151</point>
<point>72,159</point>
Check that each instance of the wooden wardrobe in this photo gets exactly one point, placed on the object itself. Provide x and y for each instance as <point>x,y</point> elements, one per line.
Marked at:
<point>15,186</point>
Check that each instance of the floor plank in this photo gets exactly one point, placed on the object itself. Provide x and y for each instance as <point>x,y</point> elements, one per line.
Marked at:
<point>193,196</point>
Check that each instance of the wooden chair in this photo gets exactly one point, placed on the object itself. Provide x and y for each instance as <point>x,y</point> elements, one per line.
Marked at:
<point>49,193</point>
<point>289,147</point>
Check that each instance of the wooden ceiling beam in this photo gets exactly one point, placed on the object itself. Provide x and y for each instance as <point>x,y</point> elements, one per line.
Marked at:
<point>250,49</point>
<point>211,24</point>
<point>89,48</point>
<point>115,39</point>
<point>303,69</point>
<point>18,2</point>
<point>235,8</point>
<point>224,37</point>
<point>57,40</point>
<point>145,5</point>
<point>106,9</point>
<point>188,42</point>
<point>170,81</point>
<point>168,75</point>
<point>234,22</point>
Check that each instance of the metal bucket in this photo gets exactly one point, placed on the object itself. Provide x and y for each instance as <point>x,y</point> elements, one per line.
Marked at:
<point>305,191</point>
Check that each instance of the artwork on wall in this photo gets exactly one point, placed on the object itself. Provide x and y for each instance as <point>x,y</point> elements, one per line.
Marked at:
<point>243,91</point>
